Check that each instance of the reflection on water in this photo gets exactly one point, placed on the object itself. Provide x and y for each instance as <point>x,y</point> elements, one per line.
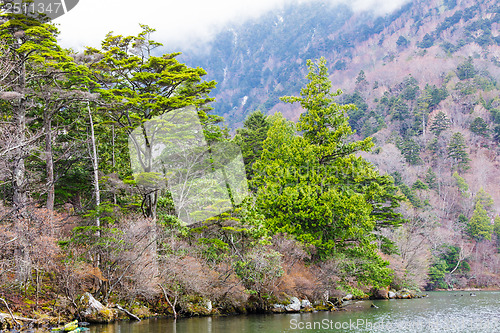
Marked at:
<point>440,312</point>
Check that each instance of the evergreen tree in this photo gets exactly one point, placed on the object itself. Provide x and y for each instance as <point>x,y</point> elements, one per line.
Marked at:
<point>484,199</point>
<point>411,88</point>
<point>402,42</point>
<point>41,81</point>
<point>440,123</point>
<point>426,42</point>
<point>399,110</point>
<point>138,86</point>
<point>419,185</point>
<point>496,133</point>
<point>431,179</point>
<point>361,82</point>
<point>480,226</point>
<point>463,187</point>
<point>496,230</point>
<point>479,126</point>
<point>250,139</point>
<point>457,151</point>
<point>466,69</point>
<point>314,188</point>
<point>462,221</point>
<point>411,152</point>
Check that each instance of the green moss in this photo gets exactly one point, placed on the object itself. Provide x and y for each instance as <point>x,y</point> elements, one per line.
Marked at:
<point>106,314</point>
<point>323,307</point>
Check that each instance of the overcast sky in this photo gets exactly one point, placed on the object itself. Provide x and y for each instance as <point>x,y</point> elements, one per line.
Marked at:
<point>179,23</point>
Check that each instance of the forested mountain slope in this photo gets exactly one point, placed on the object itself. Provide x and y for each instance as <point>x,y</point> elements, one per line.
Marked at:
<point>409,200</point>
<point>259,61</point>
<point>425,79</point>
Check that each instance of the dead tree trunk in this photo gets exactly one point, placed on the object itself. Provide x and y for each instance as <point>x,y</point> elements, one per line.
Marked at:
<point>19,184</point>
<point>49,161</point>
<point>95,166</point>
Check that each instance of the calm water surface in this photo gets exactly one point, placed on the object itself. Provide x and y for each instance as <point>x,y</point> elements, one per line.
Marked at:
<point>440,312</point>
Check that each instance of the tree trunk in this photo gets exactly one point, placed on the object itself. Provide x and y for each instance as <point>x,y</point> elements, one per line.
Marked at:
<point>19,186</point>
<point>95,166</point>
<point>49,161</point>
<point>19,172</point>
<point>113,159</point>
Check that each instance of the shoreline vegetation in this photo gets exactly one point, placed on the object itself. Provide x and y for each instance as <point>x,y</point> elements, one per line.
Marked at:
<point>96,313</point>
<point>93,312</point>
<point>84,237</point>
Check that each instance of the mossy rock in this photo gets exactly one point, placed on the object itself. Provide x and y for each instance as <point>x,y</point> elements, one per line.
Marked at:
<point>106,315</point>
<point>199,307</point>
<point>323,307</point>
<point>195,310</point>
<point>93,311</point>
<point>308,309</point>
<point>142,311</point>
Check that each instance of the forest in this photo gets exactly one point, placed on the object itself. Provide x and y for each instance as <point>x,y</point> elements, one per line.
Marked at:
<point>325,216</point>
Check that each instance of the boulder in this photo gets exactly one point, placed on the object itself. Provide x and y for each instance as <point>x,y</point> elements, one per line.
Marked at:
<point>348,297</point>
<point>94,312</point>
<point>198,306</point>
<point>403,294</point>
<point>380,293</point>
<point>208,305</point>
<point>391,294</point>
<point>278,308</point>
<point>305,304</point>
<point>294,305</point>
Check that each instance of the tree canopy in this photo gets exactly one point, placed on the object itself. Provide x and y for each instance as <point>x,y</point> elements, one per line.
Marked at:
<point>313,186</point>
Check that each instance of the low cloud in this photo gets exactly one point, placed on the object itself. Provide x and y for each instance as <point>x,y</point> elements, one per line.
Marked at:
<point>184,24</point>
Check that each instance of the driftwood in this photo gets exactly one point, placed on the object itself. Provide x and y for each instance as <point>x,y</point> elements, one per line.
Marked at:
<point>10,312</point>
<point>130,314</point>
<point>5,315</point>
<point>168,301</point>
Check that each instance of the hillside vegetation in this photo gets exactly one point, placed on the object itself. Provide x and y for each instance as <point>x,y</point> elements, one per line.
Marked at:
<point>392,184</point>
<point>425,80</point>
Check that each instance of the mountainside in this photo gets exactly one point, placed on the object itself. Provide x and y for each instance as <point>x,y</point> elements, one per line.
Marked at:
<point>425,79</point>
<point>259,61</point>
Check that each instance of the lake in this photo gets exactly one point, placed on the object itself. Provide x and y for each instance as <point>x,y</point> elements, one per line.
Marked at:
<point>440,312</point>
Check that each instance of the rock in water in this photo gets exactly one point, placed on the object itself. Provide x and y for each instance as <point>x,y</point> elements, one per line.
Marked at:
<point>278,308</point>
<point>380,293</point>
<point>93,311</point>
<point>294,305</point>
<point>305,304</point>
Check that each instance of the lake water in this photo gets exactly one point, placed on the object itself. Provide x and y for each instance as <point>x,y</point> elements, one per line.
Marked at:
<point>440,312</point>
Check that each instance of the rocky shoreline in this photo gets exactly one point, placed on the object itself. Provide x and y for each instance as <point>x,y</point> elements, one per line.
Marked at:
<point>90,310</point>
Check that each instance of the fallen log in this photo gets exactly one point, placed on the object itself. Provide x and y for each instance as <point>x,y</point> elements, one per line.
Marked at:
<point>10,312</point>
<point>6,315</point>
<point>130,314</point>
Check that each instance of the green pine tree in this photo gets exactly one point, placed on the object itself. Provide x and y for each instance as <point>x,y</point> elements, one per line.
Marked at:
<point>440,123</point>
<point>480,226</point>
<point>463,187</point>
<point>314,188</point>
<point>484,199</point>
<point>466,70</point>
<point>250,139</point>
<point>496,133</point>
<point>411,152</point>
<point>431,179</point>
<point>479,127</point>
<point>457,151</point>
<point>496,229</point>
<point>137,86</point>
